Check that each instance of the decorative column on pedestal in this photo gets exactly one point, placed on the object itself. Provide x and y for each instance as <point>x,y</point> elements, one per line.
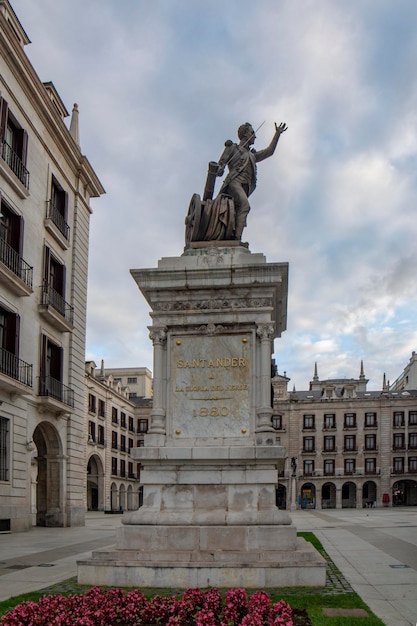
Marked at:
<point>265,332</point>
<point>158,336</point>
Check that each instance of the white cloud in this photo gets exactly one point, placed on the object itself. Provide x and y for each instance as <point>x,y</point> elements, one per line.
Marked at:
<point>161,86</point>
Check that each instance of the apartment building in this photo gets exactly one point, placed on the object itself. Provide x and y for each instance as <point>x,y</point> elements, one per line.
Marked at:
<point>346,446</point>
<point>115,425</point>
<point>138,379</point>
<point>46,185</point>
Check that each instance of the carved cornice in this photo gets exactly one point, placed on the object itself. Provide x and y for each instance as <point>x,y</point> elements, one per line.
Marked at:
<point>213,303</point>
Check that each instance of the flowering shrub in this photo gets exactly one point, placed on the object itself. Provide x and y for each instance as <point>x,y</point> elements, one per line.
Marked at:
<point>114,607</point>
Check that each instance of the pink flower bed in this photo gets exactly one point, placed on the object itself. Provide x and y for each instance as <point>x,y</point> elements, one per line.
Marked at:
<point>114,607</point>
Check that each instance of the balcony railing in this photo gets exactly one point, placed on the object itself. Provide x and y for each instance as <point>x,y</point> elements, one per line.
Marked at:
<point>53,214</point>
<point>51,297</point>
<point>15,368</point>
<point>14,262</point>
<point>14,162</point>
<point>53,388</point>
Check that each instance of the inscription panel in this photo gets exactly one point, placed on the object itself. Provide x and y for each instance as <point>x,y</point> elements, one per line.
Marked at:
<point>210,385</point>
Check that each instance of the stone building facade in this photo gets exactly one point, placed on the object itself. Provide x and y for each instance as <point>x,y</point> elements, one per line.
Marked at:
<point>46,184</point>
<point>346,446</point>
<point>114,425</point>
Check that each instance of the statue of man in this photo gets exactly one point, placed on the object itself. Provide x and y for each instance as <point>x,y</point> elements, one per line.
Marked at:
<point>241,161</point>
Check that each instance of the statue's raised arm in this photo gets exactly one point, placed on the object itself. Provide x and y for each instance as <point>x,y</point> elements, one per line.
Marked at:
<point>225,217</point>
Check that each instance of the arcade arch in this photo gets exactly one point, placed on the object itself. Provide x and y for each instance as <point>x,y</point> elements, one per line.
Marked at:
<point>349,495</point>
<point>47,492</point>
<point>404,493</point>
<point>95,484</point>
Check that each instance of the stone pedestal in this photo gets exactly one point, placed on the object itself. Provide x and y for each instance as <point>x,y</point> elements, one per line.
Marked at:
<point>210,461</point>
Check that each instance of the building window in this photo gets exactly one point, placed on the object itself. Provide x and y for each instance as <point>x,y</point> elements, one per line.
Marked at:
<point>308,468</point>
<point>53,286</point>
<point>114,415</point>
<point>133,394</point>
<point>329,421</point>
<point>308,444</point>
<point>370,442</point>
<point>329,444</point>
<point>308,422</point>
<point>350,465</point>
<point>138,467</point>
<point>350,420</point>
<point>132,380</point>
<point>140,443</point>
<point>142,426</point>
<point>91,432</point>
<point>370,420</point>
<point>13,143</point>
<point>123,443</point>
<point>11,245</point>
<point>398,420</point>
<point>101,435</point>
<point>412,441</point>
<point>130,470</point>
<point>350,442</point>
<point>4,448</point>
<point>131,424</point>
<point>102,408</point>
<point>398,466</point>
<point>130,445</point>
<point>123,422</point>
<point>57,209</point>
<point>92,403</point>
<point>114,466</point>
<point>117,379</point>
<point>412,418</point>
<point>412,464</point>
<point>51,373</point>
<point>123,468</point>
<point>276,422</point>
<point>398,441</point>
<point>114,440</point>
<point>329,467</point>
<point>370,466</point>
<point>10,363</point>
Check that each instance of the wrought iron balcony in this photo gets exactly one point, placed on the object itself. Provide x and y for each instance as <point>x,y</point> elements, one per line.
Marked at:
<point>50,297</point>
<point>14,262</point>
<point>15,368</point>
<point>56,217</point>
<point>14,161</point>
<point>50,387</point>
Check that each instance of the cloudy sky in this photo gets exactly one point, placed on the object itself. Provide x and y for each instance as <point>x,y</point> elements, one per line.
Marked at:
<point>161,84</point>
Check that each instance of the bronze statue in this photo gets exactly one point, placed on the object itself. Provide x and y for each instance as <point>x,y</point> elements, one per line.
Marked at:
<point>225,217</point>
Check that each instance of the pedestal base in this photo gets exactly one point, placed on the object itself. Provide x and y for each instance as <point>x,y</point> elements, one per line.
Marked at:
<point>206,556</point>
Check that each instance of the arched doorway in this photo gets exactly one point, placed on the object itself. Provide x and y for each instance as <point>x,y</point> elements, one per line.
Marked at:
<point>307,498</point>
<point>349,495</point>
<point>281,496</point>
<point>46,477</point>
<point>95,484</point>
<point>328,496</point>
<point>122,498</point>
<point>369,494</point>
<point>404,493</point>
<point>114,504</point>
<point>130,498</point>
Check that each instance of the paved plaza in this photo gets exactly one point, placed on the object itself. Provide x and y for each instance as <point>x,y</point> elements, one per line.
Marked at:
<point>375,549</point>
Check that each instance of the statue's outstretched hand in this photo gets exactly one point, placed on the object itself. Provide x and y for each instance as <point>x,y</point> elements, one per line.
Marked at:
<point>281,128</point>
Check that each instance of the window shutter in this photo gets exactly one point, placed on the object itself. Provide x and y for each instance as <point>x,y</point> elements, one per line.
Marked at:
<point>44,347</point>
<point>46,264</point>
<point>4,108</point>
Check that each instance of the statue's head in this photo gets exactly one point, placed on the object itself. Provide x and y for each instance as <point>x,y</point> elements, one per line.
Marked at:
<point>245,132</point>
